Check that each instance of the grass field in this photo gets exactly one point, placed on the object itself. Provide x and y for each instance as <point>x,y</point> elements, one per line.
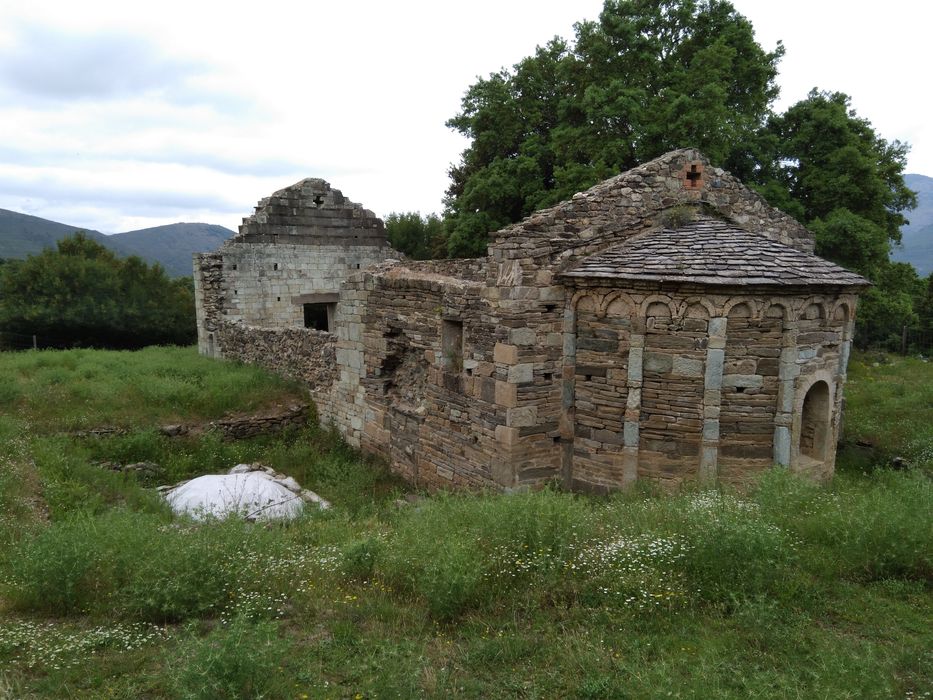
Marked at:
<point>790,591</point>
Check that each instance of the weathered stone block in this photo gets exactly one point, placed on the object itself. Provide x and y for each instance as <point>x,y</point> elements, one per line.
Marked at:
<point>506,394</point>
<point>658,363</point>
<point>507,436</point>
<point>710,430</point>
<point>748,381</point>
<point>521,374</point>
<point>522,336</point>
<point>506,354</point>
<point>712,379</point>
<point>522,417</point>
<point>782,446</point>
<point>687,367</point>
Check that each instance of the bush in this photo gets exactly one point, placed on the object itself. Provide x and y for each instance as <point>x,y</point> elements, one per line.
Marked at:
<point>143,567</point>
<point>241,659</point>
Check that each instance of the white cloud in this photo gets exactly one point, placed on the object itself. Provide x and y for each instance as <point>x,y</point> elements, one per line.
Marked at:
<point>118,115</point>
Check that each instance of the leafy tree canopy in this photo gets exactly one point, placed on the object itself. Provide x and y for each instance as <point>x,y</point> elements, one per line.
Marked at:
<point>81,294</point>
<point>651,76</point>
<point>648,77</point>
<point>421,238</point>
<point>828,168</point>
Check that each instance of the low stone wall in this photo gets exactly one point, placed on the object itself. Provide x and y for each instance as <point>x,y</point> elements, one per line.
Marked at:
<point>243,427</point>
<point>299,353</point>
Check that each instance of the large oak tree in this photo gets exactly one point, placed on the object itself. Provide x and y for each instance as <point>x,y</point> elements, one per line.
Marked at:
<point>646,78</point>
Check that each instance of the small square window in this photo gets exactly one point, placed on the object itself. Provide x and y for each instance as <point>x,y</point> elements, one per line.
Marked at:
<point>452,345</point>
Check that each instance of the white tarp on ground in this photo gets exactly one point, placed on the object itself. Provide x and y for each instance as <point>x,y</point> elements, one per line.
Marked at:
<point>253,495</point>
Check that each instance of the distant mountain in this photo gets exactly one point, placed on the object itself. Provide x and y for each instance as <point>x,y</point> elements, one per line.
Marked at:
<point>171,246</point>
<point>22,234</point>
<point>917,236</point>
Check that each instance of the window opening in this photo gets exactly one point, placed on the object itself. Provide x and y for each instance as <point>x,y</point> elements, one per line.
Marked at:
<point>318,316</point>
<point>452,345</point>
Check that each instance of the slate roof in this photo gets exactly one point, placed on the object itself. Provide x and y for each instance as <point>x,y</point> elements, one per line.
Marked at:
<point>709,251</point>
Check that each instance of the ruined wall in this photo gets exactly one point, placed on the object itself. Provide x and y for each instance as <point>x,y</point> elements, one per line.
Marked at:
<point>416,382</point>
<point>298,247</point>
<point>298,353</point>
<point>267,284</point>
<point>500,372</point>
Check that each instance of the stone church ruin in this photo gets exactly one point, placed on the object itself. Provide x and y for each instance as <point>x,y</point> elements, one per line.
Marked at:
<point>666,324</point>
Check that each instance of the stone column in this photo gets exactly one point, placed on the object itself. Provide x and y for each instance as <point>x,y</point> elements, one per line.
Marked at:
<point>712,397</point>
<point>630,435</point>
<point>788,371</point>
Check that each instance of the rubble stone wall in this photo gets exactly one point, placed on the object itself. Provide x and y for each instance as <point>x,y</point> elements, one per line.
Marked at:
<point>298,353</point>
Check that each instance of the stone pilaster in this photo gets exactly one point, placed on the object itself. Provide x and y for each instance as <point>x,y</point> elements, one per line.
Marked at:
<point>712,397</point>
<point>630,434</point>
<point>567,417</point>
<point>788,371</point>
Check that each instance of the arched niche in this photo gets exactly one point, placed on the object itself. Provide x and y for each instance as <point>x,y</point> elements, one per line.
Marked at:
<point>741,309</point>
<point>815,424</point>
<point>586,303</point>
<point>812,311</point>
<point>619,306</point>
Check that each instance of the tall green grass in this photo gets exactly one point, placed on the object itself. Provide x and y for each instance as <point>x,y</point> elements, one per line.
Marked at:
<point>889,403</point>
<point>791,589</point>
<point>57,390</point>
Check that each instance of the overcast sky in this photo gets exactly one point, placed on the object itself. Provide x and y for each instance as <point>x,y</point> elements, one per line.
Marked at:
<point>120,115</point>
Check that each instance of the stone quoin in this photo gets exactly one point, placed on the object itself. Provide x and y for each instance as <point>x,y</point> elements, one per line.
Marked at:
<point>666,324</point>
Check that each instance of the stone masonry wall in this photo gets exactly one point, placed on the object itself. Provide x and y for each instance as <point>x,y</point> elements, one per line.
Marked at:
<point>298,353</point>
<point>298,246</point>
<point>416,383</point>
<point>500,372</point>
<point>267,284</point>
<point>673,386</point>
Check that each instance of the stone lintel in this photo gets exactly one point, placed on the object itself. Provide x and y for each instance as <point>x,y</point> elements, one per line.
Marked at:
<point>317,298</point>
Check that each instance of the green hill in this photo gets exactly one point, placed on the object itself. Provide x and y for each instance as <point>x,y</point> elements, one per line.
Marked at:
<point>171,246</point>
